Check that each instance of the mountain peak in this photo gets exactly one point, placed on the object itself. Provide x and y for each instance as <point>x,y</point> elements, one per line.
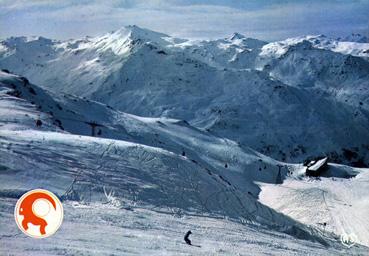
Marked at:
<point>135,32</point>
<point>236,36</point>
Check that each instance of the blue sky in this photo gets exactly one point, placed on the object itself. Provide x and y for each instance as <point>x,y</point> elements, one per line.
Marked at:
<point>263,19</point>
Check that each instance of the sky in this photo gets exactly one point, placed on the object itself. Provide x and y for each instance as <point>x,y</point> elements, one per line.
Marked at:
<point>202,19</point>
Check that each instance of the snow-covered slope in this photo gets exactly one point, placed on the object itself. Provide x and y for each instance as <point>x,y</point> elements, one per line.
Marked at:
<point>136,163</point>
<point>128,174</point>
<point>335,203</point>
<point>289,99</point>
<point>172,175</point>
<point>113,231</point>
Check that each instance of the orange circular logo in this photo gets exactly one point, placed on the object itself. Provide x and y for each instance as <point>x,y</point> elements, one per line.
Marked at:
<point>38,213</point>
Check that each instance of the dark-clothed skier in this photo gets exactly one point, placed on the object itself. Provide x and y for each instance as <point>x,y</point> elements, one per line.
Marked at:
<point>188,241</point>
<point>38,123</point>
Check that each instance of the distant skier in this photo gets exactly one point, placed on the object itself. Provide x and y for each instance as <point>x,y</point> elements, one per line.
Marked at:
<point>188,241</point>
<point>38,123</point>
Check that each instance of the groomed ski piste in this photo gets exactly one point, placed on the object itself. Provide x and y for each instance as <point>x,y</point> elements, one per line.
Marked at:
<point>133,185</point>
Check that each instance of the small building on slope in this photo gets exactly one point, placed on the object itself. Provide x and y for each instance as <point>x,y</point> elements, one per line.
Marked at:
<point>316,167</point>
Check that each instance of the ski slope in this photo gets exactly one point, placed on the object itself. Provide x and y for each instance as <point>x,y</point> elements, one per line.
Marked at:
<point>113,231</point>
<point>161,168</point>
<point>339,201</point>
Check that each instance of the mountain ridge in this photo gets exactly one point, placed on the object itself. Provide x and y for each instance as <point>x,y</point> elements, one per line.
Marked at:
<point>241,88</point>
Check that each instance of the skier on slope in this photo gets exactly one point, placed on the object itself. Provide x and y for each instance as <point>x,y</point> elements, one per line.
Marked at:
<point>188,241</point>
<point>38,123</point>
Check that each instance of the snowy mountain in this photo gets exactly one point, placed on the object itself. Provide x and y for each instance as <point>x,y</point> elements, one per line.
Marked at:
<point>149,135</point>
<point>289,99</point>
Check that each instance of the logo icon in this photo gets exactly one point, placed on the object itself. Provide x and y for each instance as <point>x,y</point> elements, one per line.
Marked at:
<point>38,213</point>
<point>349,240</point>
